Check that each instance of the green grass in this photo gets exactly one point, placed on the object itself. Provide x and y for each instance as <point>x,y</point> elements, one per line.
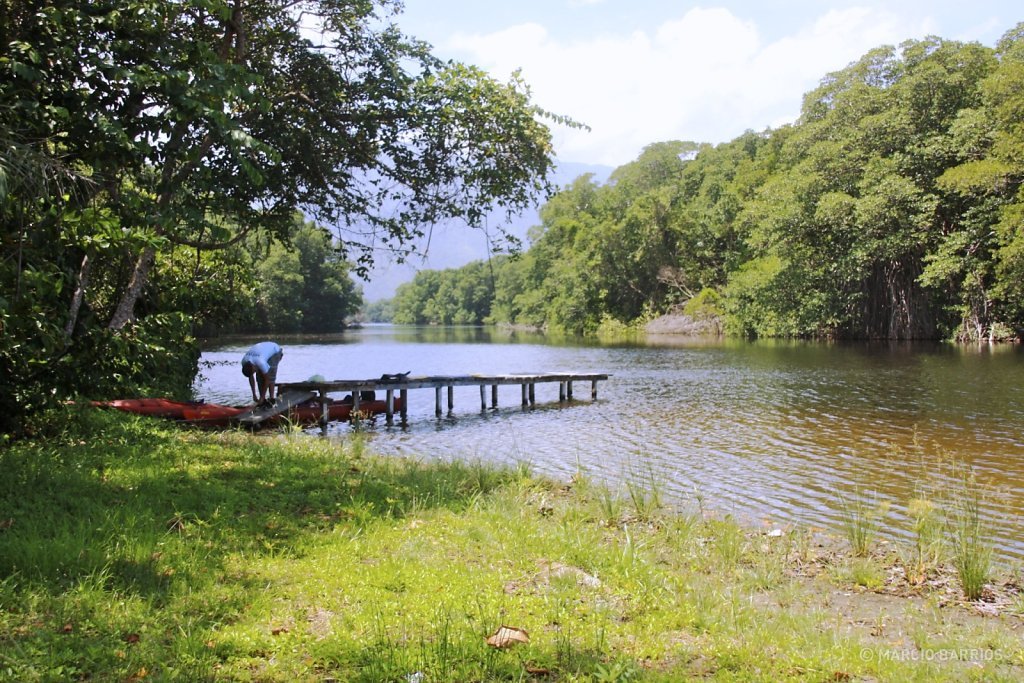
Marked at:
<point>861,520</point>
<point>134,551</point>
<point>860,571</point>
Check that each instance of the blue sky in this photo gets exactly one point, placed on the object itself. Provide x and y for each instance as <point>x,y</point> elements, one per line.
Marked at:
<point>642,71</point>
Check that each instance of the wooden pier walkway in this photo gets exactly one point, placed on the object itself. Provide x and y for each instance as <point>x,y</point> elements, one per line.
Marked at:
<point>440,384</point>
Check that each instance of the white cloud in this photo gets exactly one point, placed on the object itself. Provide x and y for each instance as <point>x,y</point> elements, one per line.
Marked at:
<point>707,75</point>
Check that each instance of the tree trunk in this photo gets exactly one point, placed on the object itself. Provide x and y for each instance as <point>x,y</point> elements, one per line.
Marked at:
<point>895,306</point>
<point>233,49</point>
<point>977,319</point>
<point>125,312</point>
<point>78,297</point>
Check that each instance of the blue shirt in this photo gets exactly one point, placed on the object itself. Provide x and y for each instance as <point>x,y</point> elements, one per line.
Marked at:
<point>261,355</point>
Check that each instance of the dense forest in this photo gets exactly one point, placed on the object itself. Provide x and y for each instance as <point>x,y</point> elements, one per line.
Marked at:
<point>168,168</point>
<point>892,209</point>
<point>261,285</point>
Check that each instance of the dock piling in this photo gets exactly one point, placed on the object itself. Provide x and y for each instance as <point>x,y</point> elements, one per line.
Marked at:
<point>324,413</point>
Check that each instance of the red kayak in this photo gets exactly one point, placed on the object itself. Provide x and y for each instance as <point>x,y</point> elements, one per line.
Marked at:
<point>161,407</point>
<point>217,415</point>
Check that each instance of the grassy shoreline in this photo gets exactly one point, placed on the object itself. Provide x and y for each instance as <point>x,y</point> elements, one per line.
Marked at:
<point>130,550</point>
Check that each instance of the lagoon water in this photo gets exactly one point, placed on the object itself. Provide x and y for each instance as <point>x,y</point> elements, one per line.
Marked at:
<point>770,432</point>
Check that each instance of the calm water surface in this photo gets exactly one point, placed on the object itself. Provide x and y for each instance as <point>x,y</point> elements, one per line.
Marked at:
<point>770,432</point>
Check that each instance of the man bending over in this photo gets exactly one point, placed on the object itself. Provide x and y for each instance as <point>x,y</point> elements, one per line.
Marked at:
<point>259,364</point>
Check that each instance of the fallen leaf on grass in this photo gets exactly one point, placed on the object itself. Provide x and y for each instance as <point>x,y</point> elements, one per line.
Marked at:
<point>139,675</point>
<point>507,636</point>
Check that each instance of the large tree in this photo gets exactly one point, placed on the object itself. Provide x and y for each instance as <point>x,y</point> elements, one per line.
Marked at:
<point>984,256</point>
<point>191,111</point>
<point>196,123</point>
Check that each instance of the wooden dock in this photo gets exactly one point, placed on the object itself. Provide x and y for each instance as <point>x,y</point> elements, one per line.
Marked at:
<point>442,384</point>
<point>285,401</point>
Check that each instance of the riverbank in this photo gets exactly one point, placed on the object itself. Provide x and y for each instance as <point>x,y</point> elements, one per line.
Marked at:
<point>135,551</point>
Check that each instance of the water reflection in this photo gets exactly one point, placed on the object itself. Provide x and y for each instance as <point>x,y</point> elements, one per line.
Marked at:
<point>772,429</point>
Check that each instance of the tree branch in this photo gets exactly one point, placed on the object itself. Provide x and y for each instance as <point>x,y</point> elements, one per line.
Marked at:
<point>208,246</point>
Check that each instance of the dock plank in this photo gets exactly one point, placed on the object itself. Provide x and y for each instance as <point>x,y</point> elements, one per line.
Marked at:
<point>285,401</point>
<point>435,381</point>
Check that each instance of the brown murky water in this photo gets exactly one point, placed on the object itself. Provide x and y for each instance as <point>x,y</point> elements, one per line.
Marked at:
<point>766,431</point>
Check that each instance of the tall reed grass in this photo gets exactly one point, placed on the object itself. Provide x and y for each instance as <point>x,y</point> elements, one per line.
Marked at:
<point>970,549</point>
<point>860,519</point>
<point>925,550</point>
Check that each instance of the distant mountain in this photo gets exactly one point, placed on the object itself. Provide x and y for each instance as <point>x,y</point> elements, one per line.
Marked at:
<point>450,245</point>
